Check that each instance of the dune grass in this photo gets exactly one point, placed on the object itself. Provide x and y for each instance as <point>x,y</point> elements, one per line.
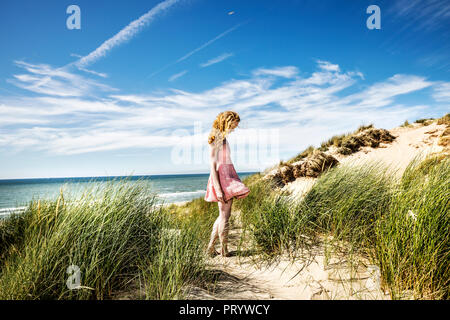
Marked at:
<point>260,189</point>
<point>305,153</point>
<point>425,121</point>
<point>444,120</point>
<point>405,124</point>
<point>198,213</point>
<point>336,140</point>
<point>117,236</point>
<point>413,239</point>
<point>344,202</point>
<point>366,207</point>
<point>266,220</point>
<point>180,261</point>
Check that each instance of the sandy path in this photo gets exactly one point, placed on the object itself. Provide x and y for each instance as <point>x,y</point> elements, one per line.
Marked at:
<point>315,276</point>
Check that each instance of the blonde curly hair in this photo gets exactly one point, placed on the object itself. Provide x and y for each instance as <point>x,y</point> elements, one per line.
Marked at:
<point>221,126</point>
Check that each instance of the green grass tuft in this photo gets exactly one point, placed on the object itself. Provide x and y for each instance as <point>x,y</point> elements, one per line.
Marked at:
<point>116,235</point>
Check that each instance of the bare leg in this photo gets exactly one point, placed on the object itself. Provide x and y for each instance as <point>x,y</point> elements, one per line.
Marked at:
<point>223,226</point>
<point>214,236</point>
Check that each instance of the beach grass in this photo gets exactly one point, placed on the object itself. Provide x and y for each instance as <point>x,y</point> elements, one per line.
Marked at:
<point>413,238</point>
<point>117,236</point>
<point>444,120</point>
<point>198,213</point>
<point>344,203</point>
<point>336,141</point>
<point>405,124</point>
<point>259,190</point>
<point>400,224</point>
<point>179,262</point>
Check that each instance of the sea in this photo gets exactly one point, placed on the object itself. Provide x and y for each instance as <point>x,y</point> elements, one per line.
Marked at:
<point>16,194</point>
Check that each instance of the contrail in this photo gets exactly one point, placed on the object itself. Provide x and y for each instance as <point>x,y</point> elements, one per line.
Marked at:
<point>215,60</point>
<point>125,34</point>
<point>197,49</point>
<point>209,42</point>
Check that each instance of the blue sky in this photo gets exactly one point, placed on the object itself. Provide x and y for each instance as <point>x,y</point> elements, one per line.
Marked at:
<point>141,80</point>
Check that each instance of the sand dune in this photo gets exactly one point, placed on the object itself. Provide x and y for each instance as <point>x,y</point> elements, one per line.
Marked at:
<point>409,142</point>
<point>314,276</point>
<point>416,140</point>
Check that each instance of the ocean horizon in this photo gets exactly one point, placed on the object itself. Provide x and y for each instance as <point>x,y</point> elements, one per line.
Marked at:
<point>16,194</point>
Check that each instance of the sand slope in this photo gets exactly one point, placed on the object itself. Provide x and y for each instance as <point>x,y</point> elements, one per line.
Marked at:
<point>409,142</point>
<point>314,276</point>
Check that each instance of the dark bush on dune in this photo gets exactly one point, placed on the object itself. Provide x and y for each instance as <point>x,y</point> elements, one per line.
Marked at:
<point>371,137</point>
<point>312,166</point>
<point>312,162</point>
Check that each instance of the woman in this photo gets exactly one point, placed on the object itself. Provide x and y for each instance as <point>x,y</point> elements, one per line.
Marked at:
<point>223,183</point>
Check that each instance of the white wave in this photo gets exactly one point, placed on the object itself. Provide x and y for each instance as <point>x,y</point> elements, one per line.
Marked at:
<point>10,210</point>
<point>177,194</point>
<point>4,212</point>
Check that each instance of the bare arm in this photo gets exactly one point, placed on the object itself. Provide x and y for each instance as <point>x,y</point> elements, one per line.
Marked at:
<point>214,174</point>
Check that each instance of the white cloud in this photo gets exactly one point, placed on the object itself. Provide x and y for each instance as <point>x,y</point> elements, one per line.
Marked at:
<point>217,59</point>
<point>44,79</point>
<point>442,92</point>
<point>100,74</point>
<point>177,75</point>
<point>286,72</point>
<point>325,65</point>
<point>306,110</point>
<point>423,14</point>
<point>383,93</point>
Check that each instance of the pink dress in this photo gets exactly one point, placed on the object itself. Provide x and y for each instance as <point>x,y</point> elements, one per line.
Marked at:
<point>229,180</point>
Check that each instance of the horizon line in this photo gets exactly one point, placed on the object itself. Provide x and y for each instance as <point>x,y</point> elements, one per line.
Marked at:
<point>119,176</point>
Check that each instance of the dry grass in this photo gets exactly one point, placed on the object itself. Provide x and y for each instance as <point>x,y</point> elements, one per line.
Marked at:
<point>444,139</point>
<point>405,124</point>
<point>335,140</point>
<point>370,137</point>
<point>312,162</point>
<point>316,163</point>
<point>305,153</point>
<point>444,120</point>
<point>425,122</point>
